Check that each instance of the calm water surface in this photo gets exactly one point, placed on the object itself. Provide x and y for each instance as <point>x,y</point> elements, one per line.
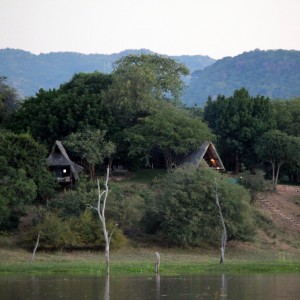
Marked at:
<point>252,287</point>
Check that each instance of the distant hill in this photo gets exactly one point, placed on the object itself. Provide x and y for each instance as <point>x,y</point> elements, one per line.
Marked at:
<point>28,72</point>
<point>272,73</point>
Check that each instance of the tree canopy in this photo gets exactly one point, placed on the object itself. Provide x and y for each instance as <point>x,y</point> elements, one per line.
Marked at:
<point>90,146</point>
<point>238,121</point>
<point>187,212</point>
<point>23,175</point>
<point>277,148</point>
<point>54,114</point>
<point>172,131</point>
<point>140,82</point>
<point>8,99</point>
<point>287,116</point>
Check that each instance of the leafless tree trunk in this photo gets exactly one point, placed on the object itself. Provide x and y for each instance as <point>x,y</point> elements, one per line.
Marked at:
<point>35,248</point>
<point>102,197</point>
<point>157,263</point>
<point>224,232</point>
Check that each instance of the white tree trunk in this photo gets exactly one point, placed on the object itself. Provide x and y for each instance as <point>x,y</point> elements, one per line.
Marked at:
<point>157,263</point>
<point>101,213</point>
<point>35,248</point>
<point>277,174</point>
<point>224,231</point>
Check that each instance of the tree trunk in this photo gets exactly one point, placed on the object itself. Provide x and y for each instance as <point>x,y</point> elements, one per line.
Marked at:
<point>35,248</point>
<point>101,213</point>
<point>273,176</point>
<point>237,164</point>
<point>224,231</point>
<point>277,175</point>
<point>157,263</point>
<point>107,258</point>
<point>168,159</point>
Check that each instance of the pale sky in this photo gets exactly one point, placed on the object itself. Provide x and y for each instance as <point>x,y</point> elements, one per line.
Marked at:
<point>216,28</point>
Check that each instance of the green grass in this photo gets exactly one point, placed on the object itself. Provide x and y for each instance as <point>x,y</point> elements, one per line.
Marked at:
<point>148,268</point>
<point>135,261</point>
<point>147,175</point>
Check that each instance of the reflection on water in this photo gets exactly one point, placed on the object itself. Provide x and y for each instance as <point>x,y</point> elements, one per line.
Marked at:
<point>157,285</point>
<point>106,290</point>
<point>223,286</point>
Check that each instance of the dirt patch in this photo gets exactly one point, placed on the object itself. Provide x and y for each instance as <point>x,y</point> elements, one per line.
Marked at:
<point>283,206</point>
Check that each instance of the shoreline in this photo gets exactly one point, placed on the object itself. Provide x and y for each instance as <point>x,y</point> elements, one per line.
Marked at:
<point>141,261</point>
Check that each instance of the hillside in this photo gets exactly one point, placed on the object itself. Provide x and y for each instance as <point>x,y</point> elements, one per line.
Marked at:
<point>282,210</point>
<point>28,72</point>
<point>272,73</point>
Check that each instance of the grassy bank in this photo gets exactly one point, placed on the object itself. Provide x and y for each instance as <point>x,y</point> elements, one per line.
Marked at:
<point>138,261</point>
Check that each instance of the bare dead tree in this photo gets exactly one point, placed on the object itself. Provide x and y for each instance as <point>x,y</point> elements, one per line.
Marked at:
<point>35,247</point>
<point>224,231</point>
<point>157,263</point>
<point>102,198</point>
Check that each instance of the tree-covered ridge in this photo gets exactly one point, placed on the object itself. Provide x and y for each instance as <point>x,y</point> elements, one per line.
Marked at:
<point>272,73</point>
<point>28,72</point>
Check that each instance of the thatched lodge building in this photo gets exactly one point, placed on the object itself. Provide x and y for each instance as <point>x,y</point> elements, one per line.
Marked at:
<point>65,170</point>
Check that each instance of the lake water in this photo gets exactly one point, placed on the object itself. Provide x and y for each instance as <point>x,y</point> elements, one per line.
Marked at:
<point>254,287</point>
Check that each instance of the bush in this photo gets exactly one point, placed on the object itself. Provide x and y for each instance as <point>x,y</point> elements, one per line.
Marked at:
<point>126,207</point>
<point>82,232</point>
<point>188,214</point>
<point>254,182</point>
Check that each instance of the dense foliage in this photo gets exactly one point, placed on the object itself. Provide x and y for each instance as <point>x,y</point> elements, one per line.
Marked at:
<point>278,148</point>
<point>8,99</point>
<point>171,130</point>
<point>187,210</point>
<point>91,147</point>
<point>54,114</point>
<point>238,121</point>
<point>134,117</point>
<point>22,178</point>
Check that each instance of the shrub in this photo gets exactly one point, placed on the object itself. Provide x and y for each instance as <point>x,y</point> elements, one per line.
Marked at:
<point>84,231</point>
<point>188,214</point>
<point>126,207</point>
<point>254,182</point>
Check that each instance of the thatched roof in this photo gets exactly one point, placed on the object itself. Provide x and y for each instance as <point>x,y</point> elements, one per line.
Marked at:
<point>60,157</point>
<point>207,153</point>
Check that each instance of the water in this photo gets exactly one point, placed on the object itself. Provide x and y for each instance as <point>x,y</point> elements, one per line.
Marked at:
<point>256,287</point>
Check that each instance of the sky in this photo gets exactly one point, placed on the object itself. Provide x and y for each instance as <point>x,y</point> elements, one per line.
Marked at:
<point>216,28</point>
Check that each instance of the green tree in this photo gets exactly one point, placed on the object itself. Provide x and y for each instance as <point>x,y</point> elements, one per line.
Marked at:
<point>21,151</point>
<point>238,121</point>
<point>188,214</point>
<point>277,148</point>
<point>140,81</point>
<point>16,191</point>
<point>287,115</point>
<point>171,130</point>
<point>8,99</point>
<point>54,114</point>
<point>91,146</point>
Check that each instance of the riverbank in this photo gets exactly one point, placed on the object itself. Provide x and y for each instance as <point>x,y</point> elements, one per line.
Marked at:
<point>276,248</point>
<point>139,260</point>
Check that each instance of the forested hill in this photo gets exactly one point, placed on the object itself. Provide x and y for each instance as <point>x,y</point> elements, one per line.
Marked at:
<point>28,72</point>
<point>272,73</point>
